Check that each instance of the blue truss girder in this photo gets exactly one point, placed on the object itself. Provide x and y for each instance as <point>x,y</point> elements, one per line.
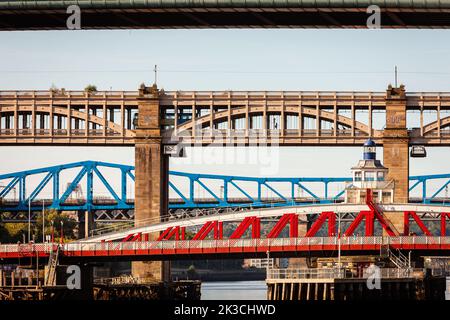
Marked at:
<point>423,181</point>
<point>90,169</point>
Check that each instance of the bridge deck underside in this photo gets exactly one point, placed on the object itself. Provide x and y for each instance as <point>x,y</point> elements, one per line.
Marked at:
<point>141,18</point>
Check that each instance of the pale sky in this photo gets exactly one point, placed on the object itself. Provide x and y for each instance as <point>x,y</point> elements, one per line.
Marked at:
<point>355,60</point>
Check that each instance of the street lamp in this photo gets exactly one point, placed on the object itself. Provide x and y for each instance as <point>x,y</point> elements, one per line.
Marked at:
<point>53,232</point>
<point>29,219</point>
<point>43,222</point>
<point>339,242</point>
<point>62,232</point>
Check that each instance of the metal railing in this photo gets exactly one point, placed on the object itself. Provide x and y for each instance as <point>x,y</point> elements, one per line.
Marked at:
<point>306,242</point>
<point>276,274</point>
<point>124,280</point>
<point>336,273</point>
<point>174,216</point>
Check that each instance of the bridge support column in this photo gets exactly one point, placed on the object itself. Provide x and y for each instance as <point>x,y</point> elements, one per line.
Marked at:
<point>396,144</point>
<point>300,262</point>
<point>151,181</point>
<point>85,224</point>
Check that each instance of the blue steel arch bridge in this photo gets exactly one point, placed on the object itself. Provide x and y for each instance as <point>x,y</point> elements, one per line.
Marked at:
<point>28,192</point>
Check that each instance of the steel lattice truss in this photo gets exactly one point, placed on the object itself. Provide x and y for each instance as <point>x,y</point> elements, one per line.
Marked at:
<point>61,198</point>
<point>119,207</point>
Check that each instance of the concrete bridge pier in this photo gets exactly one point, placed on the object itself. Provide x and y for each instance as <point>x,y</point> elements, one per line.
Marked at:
<point>151,182</point>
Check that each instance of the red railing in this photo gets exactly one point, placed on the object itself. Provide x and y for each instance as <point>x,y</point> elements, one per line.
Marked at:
<point>188,247</point>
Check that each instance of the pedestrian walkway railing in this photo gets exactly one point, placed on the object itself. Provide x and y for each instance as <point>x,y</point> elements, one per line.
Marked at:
<point>245,245</point>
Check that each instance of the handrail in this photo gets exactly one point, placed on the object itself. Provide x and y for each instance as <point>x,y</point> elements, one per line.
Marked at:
<point>336,273</point>
<point>307,242</point>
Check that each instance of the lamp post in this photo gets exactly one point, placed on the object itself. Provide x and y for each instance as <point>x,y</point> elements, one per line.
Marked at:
<point>53,232</point>
<point>339,242</point>
<point>29,219</point>
<point>43,222</point>
<point>62,232</point>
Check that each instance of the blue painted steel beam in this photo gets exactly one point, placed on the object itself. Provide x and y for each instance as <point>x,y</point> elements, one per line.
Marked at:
<point>89,169</point>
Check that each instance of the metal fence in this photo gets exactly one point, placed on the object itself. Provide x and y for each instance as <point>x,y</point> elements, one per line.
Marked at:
<point>341,273</point>
<point>229,243</point>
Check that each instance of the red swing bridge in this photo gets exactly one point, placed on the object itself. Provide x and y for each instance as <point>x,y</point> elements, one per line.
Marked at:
<point>364,229</point>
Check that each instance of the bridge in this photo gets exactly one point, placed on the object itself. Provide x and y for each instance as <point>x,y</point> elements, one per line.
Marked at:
<point>160,124</point>
<point>137,14</point>
<point>252,233</point>
<point>62,117</point>
<point>286,229</point>
<point>23,191</point>
<point>225,249</point>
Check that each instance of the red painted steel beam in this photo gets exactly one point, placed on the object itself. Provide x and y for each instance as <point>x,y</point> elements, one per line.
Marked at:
<point>419,222</point>
<point>254,222</point>
<point>378,214</point>
<point>326,215</point>
<point>292,218</point>
<point>370,221</point>
<point>209,226</point>
<point>355,223</point>
<point>128,237</point>
<point>384,224</point>
<point>164,234</point>
<point>170,232</point>
<point>444,215</point>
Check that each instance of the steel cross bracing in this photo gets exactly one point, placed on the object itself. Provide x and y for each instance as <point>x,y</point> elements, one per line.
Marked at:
<point>220,193</point>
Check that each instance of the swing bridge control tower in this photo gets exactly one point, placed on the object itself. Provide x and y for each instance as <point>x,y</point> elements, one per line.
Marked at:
<point>346,277</point>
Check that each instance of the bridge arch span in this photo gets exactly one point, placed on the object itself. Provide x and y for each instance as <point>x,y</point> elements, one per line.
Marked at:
<point>64,112</point>
<point>434,126</point>
<point>241,113</point>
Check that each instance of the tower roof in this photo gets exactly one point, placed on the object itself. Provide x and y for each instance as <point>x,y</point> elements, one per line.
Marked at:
<point>369,165</point>
<point>370,143</point>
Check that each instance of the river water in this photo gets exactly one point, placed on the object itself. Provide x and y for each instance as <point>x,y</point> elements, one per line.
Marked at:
<point>246,290</point>
<point>234,290</point>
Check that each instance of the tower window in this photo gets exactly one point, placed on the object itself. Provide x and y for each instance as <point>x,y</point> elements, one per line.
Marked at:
<point>370,149</point>
<point>358,176</point>
<point>370,176</point>
<point>380,176</point>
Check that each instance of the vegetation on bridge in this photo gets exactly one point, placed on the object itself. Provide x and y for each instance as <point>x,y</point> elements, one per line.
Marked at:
<point>14,232</point>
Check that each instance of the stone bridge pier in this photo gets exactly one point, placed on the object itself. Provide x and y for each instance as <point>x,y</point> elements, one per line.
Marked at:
<point>396,150</point>
<point>151,180</point>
